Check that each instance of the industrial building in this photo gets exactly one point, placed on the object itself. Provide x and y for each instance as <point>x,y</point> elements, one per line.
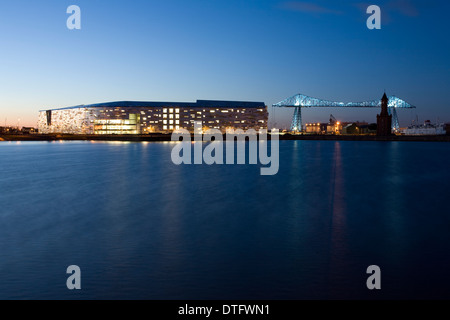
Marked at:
<point>131,117</point>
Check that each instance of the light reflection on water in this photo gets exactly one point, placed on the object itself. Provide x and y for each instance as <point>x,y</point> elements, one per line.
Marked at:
<point>142,228</point>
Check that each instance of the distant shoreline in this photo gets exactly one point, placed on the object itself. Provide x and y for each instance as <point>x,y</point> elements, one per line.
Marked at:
<point>168,137</point>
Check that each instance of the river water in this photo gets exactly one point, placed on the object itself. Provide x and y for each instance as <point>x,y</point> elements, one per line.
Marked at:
<point>140,227</point>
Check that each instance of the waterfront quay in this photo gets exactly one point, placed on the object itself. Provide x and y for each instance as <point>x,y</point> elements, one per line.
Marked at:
<point>164,137</point>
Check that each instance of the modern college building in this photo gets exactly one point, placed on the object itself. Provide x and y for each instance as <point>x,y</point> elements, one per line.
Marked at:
<point>153,117</point>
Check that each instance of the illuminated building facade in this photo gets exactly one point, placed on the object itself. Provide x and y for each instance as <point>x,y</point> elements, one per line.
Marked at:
<point>316,128</point>
<point>153,117</point>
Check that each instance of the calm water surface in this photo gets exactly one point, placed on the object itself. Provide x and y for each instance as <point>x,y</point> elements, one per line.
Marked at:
<point>140,227</point>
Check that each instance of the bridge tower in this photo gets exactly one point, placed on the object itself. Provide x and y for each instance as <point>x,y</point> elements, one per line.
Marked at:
<point>297,120</point>
<point>395,123</point>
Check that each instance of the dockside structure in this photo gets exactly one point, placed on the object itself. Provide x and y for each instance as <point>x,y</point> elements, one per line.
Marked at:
<point>133,117</point>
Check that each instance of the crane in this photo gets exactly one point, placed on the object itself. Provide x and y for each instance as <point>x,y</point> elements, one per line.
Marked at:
<point>332,119</point>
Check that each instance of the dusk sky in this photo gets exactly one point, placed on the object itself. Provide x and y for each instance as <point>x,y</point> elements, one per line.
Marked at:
<point>265,50</point>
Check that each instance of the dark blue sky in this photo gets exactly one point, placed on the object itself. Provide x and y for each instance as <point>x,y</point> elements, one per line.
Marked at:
<point>263,50</point>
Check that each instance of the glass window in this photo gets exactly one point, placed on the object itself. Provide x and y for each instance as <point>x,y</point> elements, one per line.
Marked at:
<point>164,115</point>
<point>165,121</point>
<point>177,110</point>
<point>171,110</point>
<point>170,121</point>
<point>177,121</point>
<point>165,110</point>
<point>171,116</point>
<point>164,127</point>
